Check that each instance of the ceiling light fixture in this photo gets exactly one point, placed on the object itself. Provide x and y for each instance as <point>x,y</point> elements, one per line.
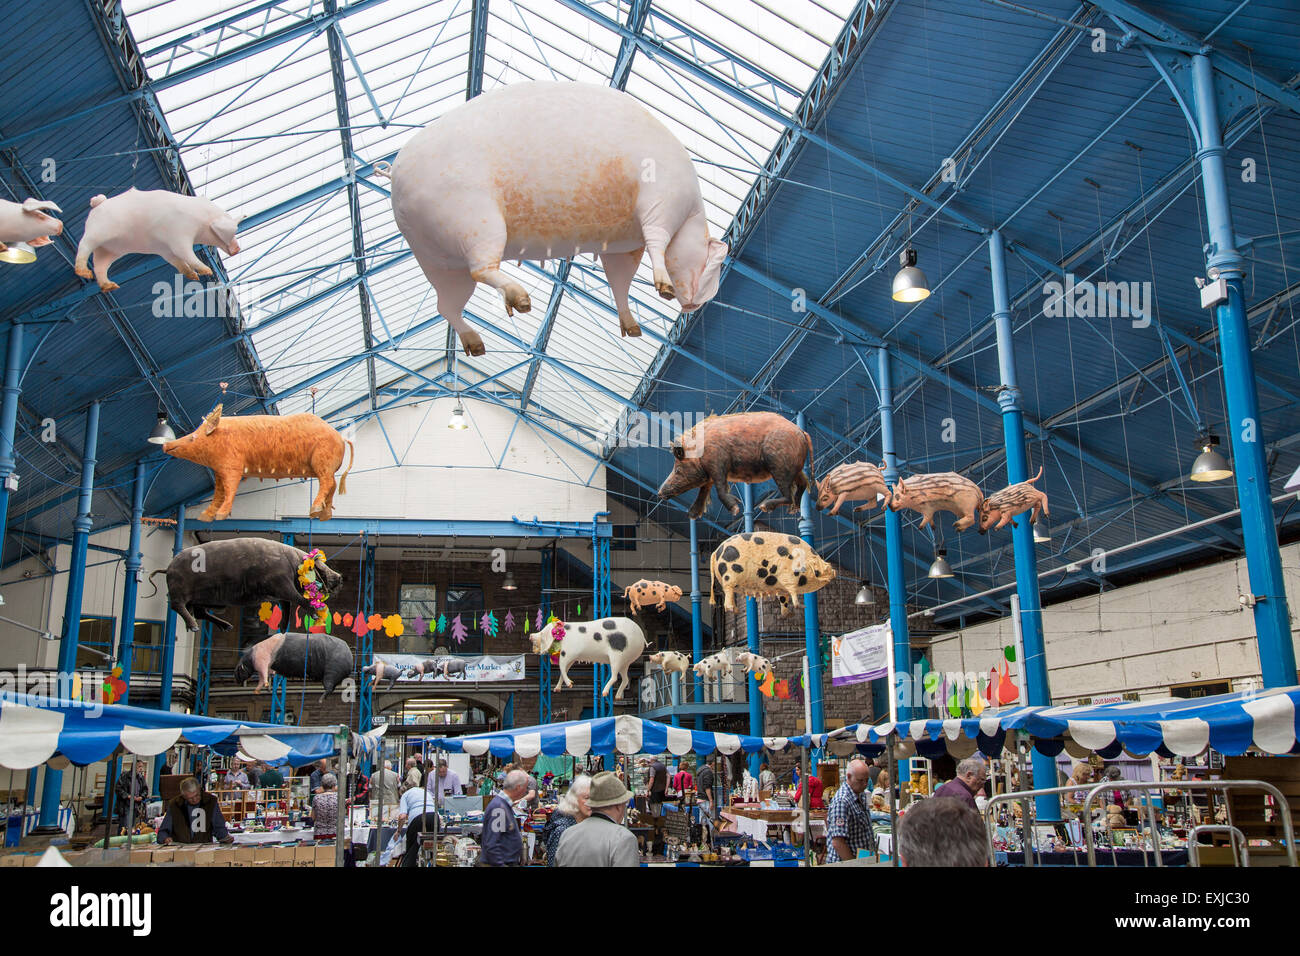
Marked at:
<point>940,568</point>
<point>18,253</point>
<point>910,284</point>
<point>162,432</point>
<point>1209,464</point>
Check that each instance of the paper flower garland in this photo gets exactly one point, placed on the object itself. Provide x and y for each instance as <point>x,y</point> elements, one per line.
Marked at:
<point>509,624</point>
<point>360,627</point>
<point>114,686</point>
<point>275,619</point>
<point>310,582</point>
<point>442,623</point>
<point>458,630</point>
<point>264,611</point>
<point>489,624</point>
<point>541,622</point>
<point>418,626</point>
<point>393,625</point>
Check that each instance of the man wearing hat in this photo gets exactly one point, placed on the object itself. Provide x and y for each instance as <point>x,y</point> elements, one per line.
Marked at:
<point>601,839</point>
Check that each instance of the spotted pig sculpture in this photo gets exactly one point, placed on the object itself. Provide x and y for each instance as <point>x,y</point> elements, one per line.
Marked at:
<point>750,447</point>
<point>154,222</point>
<point>715,665</point>
<point>28,222</point>
<point>671,661</point>
<point>852,480</point>
<point>237,572</point>
<point>766,563</point>
<point>644,593</point>
<point>1002,506</point>
<point>617,641</point>
<point>316,657</point>
<point>547,171</point>
<point>942,491</point>
<point>751,662</point>
<point>265,446</point>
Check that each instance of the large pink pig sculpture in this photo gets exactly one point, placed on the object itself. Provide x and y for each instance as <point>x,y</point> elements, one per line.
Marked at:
<point>27,222</point>
<point>154,222</point>
<point>547,171</point>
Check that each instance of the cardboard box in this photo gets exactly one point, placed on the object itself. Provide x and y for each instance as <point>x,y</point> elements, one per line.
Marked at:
<point>324,855</point>
<point>284,854</point>
<point>244,855</point>
<point>225,856</point>
<point>205,855</point>
<point>264,854</point>
<point>141,853</point>
<point>31,859</point>
<point>164,854</point>
<point>184,853</point>
<point>304,854</point>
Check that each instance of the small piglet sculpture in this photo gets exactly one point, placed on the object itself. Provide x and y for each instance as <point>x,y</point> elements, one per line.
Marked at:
<point>265,446</point>
<point>644,593</point>
<point>858,479</point>
<point>1002,506</point>
<point>154,222</point>
<point>942,491</point>
<point>28,222</point>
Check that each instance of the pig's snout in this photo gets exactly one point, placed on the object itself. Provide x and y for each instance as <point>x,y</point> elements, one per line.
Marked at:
<point>233,248</point>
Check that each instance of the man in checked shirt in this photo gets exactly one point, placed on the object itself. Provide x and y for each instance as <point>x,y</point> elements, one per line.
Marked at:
<point>848,818</point>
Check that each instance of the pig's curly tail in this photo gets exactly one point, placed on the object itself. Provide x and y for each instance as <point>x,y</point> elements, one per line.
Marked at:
<point>384,168</point>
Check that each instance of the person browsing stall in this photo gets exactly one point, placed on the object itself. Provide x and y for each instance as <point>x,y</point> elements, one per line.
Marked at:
<point>815,787</point>
<point>971,775</point>
<point>601,840</point>
<point>325,808</point>
<point>417,812</point>
<point>192,816</point>
<point>848,819</point>
<point>321,768</point>
<point>573,808</point>
<point>501,840</point>
<point>445,781</point>
<point>941,833</point>
<point>236,778</point>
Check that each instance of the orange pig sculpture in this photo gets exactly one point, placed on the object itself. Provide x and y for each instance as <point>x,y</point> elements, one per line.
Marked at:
<point>265,446</point>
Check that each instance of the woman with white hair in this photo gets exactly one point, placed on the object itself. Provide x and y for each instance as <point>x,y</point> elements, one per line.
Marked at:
<point>325,808</point>
<point>572,809</point>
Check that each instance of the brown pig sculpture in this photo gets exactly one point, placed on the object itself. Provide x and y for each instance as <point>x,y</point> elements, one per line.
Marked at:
<point>858,479</point>
<point>265,446</point>
<point>644,593</point>
<point>750,447</point>
<point>1002,506</point>
<point>942,491</point>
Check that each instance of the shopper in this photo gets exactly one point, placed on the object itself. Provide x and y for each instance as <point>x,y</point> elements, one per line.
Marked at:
<point>573,808</point>
<point>682,779</point>
<point>131,788</point>
<point>601,840</point>
<point>270,777</point>
<point>656,784</point>
<point>384,786</point>
<point>766,778</point>
<point>815,787</point>
<point>941,833</point>
<point>704,788</point>
<point>848,819</point>
<point>501,840</point>
<point>418,814</point>
<point>322,768</point>
<point>192,816</point>
<point>534,794</point>
<point>325,808</point>
<point>874,771</point>
<point>236,779</point>
<point>412,778</point>
<point>971,775</point>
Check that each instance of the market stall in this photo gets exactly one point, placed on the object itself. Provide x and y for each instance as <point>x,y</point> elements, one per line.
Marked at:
<point>61,733</point>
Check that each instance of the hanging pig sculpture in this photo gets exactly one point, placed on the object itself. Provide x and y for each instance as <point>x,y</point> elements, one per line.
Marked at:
<point>28,222</point>
<point>750,447</point>
<point>859,479</point>
<point>999,508</point>
<point>265,446</point>
<point>761,563</point>
<point>547,171</point>
<point>155,222</point>
<point>319,657</point>
<point>616,641</point>
<point>644,593</point>
<point>942,491</point>
<point>237,572</point>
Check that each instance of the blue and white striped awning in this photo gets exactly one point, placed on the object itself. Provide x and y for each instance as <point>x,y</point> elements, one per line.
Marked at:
<point>602,735</point>
<point>36,729</point>
<point>1267,720</point>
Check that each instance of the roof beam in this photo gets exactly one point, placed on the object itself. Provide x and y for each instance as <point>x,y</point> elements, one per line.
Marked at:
<point>627,47</point>
<point>478,33</point>
<point>543,336</point>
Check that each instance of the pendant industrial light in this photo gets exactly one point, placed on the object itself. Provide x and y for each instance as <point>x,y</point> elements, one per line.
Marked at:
<point>18,253</point>
<point>1209,464</point>
<point>457,421</point>
<point>1042,533</point>
<point>162,432</point>
<point>865,596</point>
<point>509,583</point>
<point>910,284</point>
<point>940,568</point>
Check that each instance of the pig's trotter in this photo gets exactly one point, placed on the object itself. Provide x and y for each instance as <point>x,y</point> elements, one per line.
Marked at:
<point>108,286</point>
<point>83,271</point>
<point>517,298</point>
<point>627,324</point>
<point>664,286</point>
<point>472,343</point>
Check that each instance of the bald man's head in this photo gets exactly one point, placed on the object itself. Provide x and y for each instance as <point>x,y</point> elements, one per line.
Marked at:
<point>858,777</point>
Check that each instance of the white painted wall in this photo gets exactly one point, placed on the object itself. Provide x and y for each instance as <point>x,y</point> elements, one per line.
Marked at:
<point>1174,630</point>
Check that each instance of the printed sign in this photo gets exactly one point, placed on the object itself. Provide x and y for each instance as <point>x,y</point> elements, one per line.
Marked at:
<point>861,655</point>
<point>451,668</point>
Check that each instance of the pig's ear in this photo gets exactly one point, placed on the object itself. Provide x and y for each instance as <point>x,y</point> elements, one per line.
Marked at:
<point>679,450</point>
<point>706,287</point>
<point>212,421</point>
<point>225,227</point>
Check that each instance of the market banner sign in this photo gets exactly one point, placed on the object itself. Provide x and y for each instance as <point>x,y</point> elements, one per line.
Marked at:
<point>861,655</point>
<point>454,669</point>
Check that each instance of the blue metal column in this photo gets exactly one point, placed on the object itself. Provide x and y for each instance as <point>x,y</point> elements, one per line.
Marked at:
<point>278,682</point>
<point>169,642</point>
<point>126,635</point>
<point>1263,562</point>
<point>49,816</point>
<point>1022,536</point>
<point>601,606</point>
<point>697,621</point>
<point>203,679</point>
<point>751,639</point>
<point>811,631</point>
<point>367,649</point>
<point>9,418</point>
<point>902,690</point>
<point>544,662</point>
